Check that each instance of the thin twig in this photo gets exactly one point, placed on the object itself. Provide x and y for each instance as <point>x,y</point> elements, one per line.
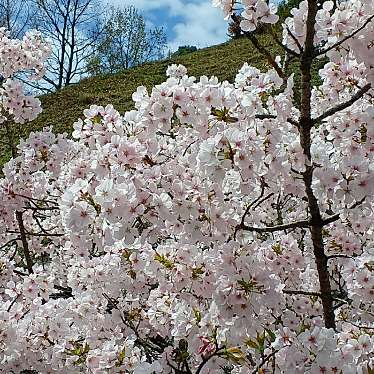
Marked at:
<point>338,256</point>
<point>291,225</point>
<point>294,39</point>
<point>288,50</point>
<point>336,216</point>
<point>261,48</point>
<point>358,95</point>
<point>217,352</point>
<point>272,116</point>
<point>26,250</point>
<point>361,326</point>
<point>264,361</point>
<point>300,292</point>
<point>340,42</point>
<point>9,243</point>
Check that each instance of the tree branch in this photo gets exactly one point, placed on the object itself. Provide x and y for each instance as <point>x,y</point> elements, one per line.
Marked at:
<point>26,250</point>
<point>295,40</point>
<point>272,116</point>
<point>340,42</point>
<point>261,49</point>
<point>303,293</point>
<point>288,50</point>
<point>306,124</point>
<point>336,216</point>
<point>358,95</point>
<point>205,360</point>
<point>264,361</point>
<point>292,225</point>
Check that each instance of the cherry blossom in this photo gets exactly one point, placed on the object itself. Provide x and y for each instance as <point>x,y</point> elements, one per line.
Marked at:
<point>217,227</point>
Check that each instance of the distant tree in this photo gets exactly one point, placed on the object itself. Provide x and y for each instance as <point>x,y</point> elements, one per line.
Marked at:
<point>72,26</point>
<point>182,50</point>
<point>126,42</point>
<point>15,16</point>
<point>285,7</point>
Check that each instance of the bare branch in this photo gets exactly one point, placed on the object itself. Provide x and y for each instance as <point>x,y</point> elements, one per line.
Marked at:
<point>266,53</point>
<point>272,116</point>
<point>264,361</point>
<point>292,225</point>
<point>358,95</point>
<point>338,256</point>
<point>261,49</point>
<point>336,216</point>
<point>288,50</point>
<point>36,234</point>
<point>300,292</point>
<point>340,42</point>
<point>22,274</point>
<point>10,243</point>
<point>34,199</point>
<point>364,327</point>
<point>217,352</point>
<point>26,250</point>
<point>306,124</point>
<point>295,39</point>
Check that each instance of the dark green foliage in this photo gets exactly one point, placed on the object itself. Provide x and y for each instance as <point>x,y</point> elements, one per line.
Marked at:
<point>183,50</point>
<point>285,7</point>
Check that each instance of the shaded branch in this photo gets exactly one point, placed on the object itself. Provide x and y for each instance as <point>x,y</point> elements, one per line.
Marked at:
<point>65,292</point>
<point>261,48</point>
<point>46,234</point>
<point>264,361</point>
<point>272,116</point>
<point>288,50</point>
<point>336,216</point>
<point>292,225</point>
<point>9,243</point>
<point>358,95</point>
<point>361,326</point>
<point>217,352</point>
<point>32,199</point>
<point>300,292</point>
<point>25,245</point>
<point>290,33</point>
<point>338,256</point>
<point>340,42</point>
<point>306,124</point>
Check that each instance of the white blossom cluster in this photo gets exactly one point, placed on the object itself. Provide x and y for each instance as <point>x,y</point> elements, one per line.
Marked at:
<point>25,56</point>
<point>179,237</point>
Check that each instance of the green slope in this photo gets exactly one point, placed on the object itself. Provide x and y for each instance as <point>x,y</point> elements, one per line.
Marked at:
<point>62,108</point>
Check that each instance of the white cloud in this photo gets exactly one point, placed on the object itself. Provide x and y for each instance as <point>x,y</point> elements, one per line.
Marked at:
<point>198,23</point>
<point>202,26</point>
<point>146,5</point>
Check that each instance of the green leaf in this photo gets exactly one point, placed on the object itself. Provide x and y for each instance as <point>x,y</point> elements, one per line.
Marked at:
<point>223,115</point>
<point>235,355</point>
<point>164,261</point>
<point>271,335</point>
<point>252,344</point>
<point>121,357</point>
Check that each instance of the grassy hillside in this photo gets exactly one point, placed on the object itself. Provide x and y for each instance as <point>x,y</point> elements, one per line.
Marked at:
<point>62,108</point>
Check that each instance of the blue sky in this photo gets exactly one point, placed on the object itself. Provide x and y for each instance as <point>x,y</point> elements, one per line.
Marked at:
<point>186,22</point>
